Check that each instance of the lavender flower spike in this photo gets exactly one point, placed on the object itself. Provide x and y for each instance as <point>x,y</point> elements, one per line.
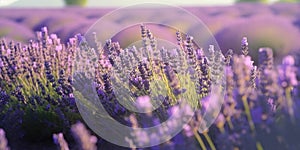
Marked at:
<point>288,71</point>
<point>244,46</point>
<point>60,141</point>
<point>245,41</point>
<point>87,141</point>
<point>144,103</point>
<point>3,141</point>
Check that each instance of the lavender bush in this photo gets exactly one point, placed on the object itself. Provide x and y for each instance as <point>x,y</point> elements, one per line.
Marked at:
<point>260,111</point>
<point>36,87</point>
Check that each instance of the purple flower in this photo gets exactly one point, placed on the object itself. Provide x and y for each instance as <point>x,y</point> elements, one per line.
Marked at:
<point>265,58</point>
<point>188,130</point>
<point>60,141</point>
<point>287,72</point>
<point>272,104</point>
<point>44,29</point>
<point>144,102</point>
<point>3,140</point>
<point>248,62</point>
<point>244,41</point>
<point>87,141</point>
<point>1,63</point>
<point>244,46</point>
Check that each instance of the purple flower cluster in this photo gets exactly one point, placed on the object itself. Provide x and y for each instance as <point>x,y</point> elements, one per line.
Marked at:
<point>261,103</point>
<point>36,87</point>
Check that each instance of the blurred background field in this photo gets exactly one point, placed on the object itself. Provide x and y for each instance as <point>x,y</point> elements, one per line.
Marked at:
<point>275,25</point>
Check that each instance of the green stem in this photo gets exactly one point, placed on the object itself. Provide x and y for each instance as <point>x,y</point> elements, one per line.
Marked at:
<point>200,141</point>
<point>250,121</point>
<point>228,119</point>
<point>211,144</point>
<point>290,102</point>
<point>259,146</point>
<point>248,114</point>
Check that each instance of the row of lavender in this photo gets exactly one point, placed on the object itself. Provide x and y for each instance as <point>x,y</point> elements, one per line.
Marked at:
<point>261,108</point>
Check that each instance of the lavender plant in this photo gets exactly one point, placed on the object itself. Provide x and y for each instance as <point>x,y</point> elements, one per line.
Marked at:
<point>261,103</point>
<point>36,87</point>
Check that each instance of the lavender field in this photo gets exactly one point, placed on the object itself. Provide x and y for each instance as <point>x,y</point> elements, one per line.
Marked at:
<point>48,69</point>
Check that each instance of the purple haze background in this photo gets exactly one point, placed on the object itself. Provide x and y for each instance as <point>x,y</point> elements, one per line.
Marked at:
<point>276,26</point>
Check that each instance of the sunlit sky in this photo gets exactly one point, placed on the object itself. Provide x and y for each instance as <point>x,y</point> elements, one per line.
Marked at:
<point>113,3</point>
